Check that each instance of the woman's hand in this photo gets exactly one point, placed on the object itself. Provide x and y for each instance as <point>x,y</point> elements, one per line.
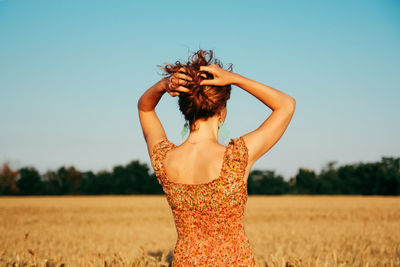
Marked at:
<point>221,77</point>
<point>176,83</point>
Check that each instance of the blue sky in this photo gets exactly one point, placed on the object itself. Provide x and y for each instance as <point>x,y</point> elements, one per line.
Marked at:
<point>71,73</point>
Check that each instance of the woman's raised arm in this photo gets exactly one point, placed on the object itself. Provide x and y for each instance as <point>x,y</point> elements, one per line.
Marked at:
<point>270,131</point>
<point>153,130</point>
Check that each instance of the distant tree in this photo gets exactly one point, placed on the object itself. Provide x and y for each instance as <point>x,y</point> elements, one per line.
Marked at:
<point>329,182</point>
<point>104,183</point>
<point>29,182</point>
<point>376,178</point>
<point>391,176</point>
<point>75,177</point>
<point>350,182</point>
<point>123,181</point>
<point>305,182</point>
<point>266,182</point>
<point>253,181</point>
<point>88,183</point>
<point>145,183</point>
<point>8,180</point>
<point>66,184</point>
<point>151,185</point>
<point>52,183</point>
<point>370,176</point>
<point>134,178</point>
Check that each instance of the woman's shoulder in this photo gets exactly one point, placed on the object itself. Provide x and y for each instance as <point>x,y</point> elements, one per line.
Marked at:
<point>238,143</point>
<point>237,149</point>
<point>161,146</point>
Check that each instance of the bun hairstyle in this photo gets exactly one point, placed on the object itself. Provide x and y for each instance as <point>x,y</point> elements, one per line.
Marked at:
<point>203,101</point>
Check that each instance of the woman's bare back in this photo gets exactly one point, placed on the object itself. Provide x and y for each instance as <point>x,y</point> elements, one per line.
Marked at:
<point>195,163</point>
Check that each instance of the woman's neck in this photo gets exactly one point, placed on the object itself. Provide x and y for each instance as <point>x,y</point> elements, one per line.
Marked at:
<point>206,131</point>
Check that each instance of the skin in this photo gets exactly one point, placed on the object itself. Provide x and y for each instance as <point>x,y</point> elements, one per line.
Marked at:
<point>199,159</point>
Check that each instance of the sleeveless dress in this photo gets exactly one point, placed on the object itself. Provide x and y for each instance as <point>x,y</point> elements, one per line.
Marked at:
<point>208,216</point>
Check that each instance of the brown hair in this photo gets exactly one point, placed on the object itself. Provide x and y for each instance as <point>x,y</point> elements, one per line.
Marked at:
<point>203,101</point>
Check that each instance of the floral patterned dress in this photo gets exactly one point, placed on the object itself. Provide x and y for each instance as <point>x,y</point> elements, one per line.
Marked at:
<point>208,216</point>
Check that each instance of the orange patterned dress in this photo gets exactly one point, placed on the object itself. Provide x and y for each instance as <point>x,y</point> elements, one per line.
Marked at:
<point>208,216</point>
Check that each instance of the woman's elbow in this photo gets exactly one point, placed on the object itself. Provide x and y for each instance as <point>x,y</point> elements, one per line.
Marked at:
<point>293,102</point>
<point>140,105</point>
<point>291,105</point>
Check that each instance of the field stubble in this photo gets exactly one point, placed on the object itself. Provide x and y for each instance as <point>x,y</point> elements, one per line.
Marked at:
<point>139,231</point>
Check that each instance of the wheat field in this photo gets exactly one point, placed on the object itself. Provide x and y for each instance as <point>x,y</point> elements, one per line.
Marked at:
<point>139,231</point>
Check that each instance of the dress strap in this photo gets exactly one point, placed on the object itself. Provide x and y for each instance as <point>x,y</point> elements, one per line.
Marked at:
<point>238,156</point>
<point>158,153</point>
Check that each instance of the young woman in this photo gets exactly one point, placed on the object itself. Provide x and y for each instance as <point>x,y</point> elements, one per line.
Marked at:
<point>205,182</point>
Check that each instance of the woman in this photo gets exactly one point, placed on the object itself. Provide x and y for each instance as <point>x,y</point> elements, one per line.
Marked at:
<point>206,183</point>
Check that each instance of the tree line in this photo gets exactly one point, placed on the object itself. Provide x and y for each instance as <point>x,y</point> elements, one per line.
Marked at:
<point>376,178</point>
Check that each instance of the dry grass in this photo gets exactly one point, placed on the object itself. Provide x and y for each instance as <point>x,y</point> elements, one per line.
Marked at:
<point>139,231</point>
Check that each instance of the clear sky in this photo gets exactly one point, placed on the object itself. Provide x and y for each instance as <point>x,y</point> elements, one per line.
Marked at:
<point>71,73</point>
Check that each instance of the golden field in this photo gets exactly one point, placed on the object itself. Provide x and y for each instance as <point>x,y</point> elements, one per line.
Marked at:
<point>139,231</point>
